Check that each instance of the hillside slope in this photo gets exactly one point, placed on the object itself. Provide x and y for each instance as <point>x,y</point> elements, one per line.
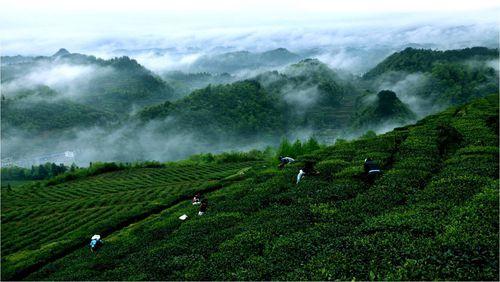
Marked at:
<point>431,79</point>
<point>422,60</point>
<point>115,85</point>
<point>386,109</point>
<point>433,214</point>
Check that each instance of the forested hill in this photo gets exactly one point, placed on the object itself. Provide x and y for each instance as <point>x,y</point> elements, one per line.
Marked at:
<point>305,95</point>
<point>386,109</point>
<point>434,79</point>
<point>244,61</point>
<point>70,91</point>
<point>431,215</point>
<point>115,85</point>
<point>242,109</point>
<point>422,60</point>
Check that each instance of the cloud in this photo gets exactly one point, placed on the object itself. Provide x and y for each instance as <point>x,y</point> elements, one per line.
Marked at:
<point>131,142</point>
<point>409,88</point>
<point>69,80</point>
<point>299,97</point>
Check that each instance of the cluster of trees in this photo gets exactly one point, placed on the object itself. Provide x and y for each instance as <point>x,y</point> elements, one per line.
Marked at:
<point>297,148</point>
<point>46,116</point>
<point>455,83</point>
<point>39,172</point>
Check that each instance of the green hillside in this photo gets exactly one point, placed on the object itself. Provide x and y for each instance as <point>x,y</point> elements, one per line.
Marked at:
<point>238,110</point>
<point>305,95</point>
<point>40,223</point>
<point>386,108</point>
<point>314,95</point>
<point>115,85</point>
<point>423,60</point>
<point>433,214</point>
<point>440,78</point>
<point>44,116</point>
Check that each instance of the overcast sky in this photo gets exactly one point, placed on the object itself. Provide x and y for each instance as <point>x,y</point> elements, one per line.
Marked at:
<point>29,27</point>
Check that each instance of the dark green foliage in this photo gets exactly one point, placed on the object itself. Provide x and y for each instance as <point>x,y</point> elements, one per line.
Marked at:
<point>242,109</point>
<point>39,172</point>
<point>387,108</point>
<point>45,116</point>
<point>448,139</point>
<point>421,60</point>
<point>459,83</point>
<point>446,77</point>
<point>286,149</point>
<point>99,100</point>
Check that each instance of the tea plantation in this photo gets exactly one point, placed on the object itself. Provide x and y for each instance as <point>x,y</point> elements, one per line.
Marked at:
<point>432,214</point>
<point>41,223</point>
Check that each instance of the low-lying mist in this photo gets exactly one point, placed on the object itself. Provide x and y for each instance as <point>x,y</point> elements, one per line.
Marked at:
<point>129,143</point>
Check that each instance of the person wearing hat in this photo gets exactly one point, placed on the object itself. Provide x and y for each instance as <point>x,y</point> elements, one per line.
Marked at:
<point>284,161</point>
<point>95,243</point>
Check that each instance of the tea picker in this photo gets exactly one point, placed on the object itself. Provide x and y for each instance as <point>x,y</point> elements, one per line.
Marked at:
<point>196,199</point>
<point>308,169</point>
<point>371,167</point>
<point>95,243</point>
<point>284,161</point>
<point>203,207</point>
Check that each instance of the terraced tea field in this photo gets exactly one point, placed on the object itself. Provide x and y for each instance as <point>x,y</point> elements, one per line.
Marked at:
<point>40,222</point>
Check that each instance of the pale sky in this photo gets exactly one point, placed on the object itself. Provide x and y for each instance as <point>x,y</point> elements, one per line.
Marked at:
<point>49,22</point>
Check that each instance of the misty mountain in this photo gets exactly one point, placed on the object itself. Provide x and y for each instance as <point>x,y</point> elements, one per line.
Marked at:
<point>40,111</point>
<point>45,117</point>
<point>429,80</point>
<point>385,109</point>
<point>66,100</point>
<point>239,110</point>
<point>233,62</point>
<point>423,60</point>
<point>315,96</point>
<point>116,85</point>
<point>184,83</point>
<point>304,96</point>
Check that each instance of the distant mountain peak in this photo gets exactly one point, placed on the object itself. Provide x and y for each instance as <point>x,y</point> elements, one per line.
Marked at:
<point>61,52</point>
<point>279,50</point>
<point>388,105</point>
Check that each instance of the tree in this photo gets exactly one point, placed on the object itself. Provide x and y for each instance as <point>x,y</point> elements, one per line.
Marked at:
<point>42,172</point>
<point>285,148</point>
<point>311,145</point>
